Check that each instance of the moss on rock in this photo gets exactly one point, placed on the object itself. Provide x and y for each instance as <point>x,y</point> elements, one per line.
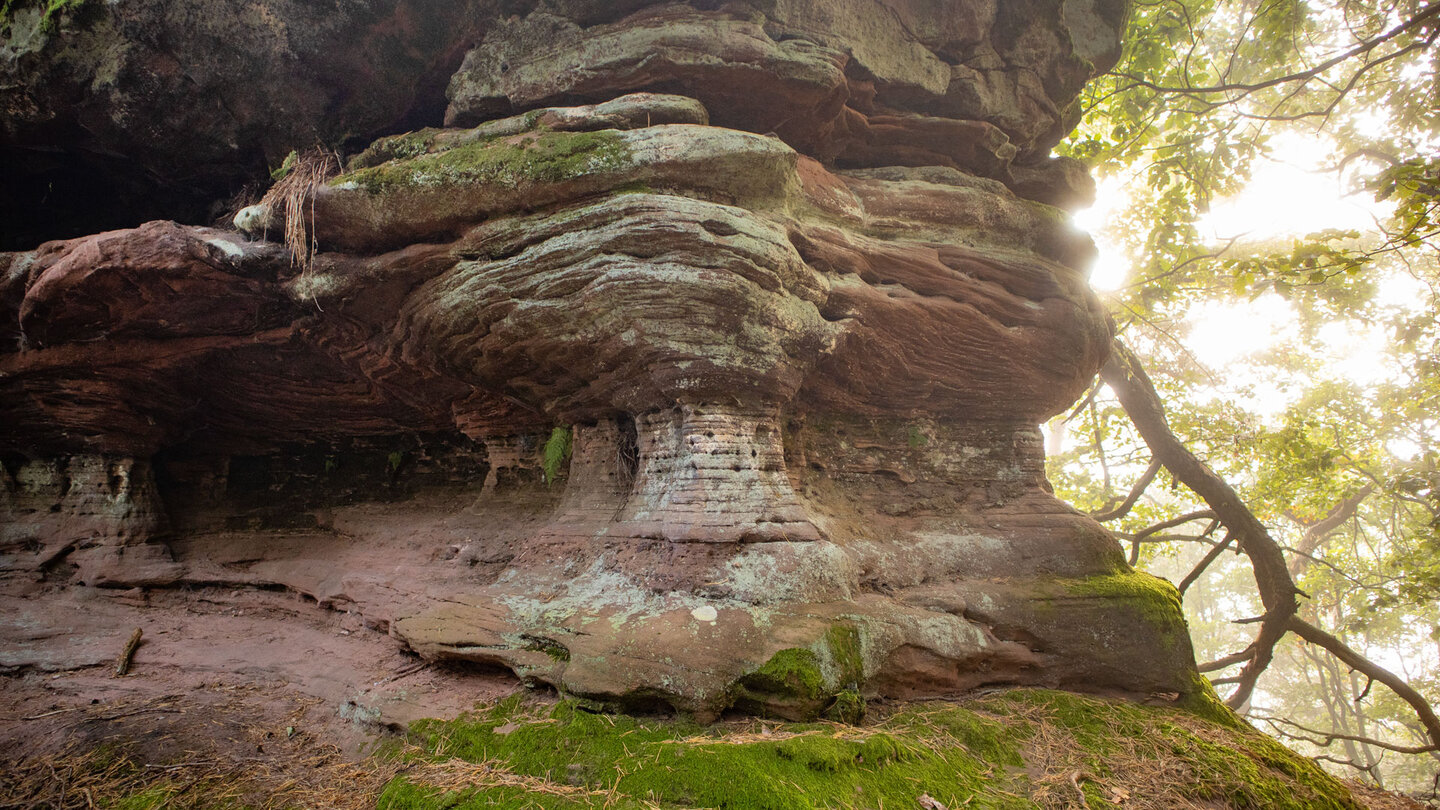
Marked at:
<point>791,684</point>
<point>540,157</point>
<point>806,683</point>
<point>1153,599</point>
<point>53,12</point>
<point>843,643</point>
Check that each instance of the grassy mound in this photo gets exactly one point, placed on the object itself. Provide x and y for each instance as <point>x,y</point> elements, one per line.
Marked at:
<point>1018,749</point>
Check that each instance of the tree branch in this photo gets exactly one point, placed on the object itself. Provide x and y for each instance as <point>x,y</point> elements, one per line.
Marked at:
<point>1201,514</point>
<point>1366,667</point>
<point>1364,47</point>
<point>1228,661</point>
<point>1135,492</point>
<point>1315,533</point>
<point>1125,376</point>
<point>1210,557</point>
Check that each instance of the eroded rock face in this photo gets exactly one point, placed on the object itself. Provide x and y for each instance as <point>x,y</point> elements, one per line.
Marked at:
<point>716,389</point>
<point>154,108</point>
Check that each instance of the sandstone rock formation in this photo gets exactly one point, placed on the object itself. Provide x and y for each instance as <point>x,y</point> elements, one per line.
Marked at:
<point>696,362</point>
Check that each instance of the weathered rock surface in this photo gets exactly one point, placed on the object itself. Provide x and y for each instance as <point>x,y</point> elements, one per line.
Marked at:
<point>113,113</point>
<point>702,337</point>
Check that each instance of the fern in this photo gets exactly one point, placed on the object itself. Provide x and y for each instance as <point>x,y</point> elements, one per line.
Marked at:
<point>557,452</point>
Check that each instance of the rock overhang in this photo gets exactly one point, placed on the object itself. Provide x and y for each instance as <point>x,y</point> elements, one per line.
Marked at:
<point>787,308</point>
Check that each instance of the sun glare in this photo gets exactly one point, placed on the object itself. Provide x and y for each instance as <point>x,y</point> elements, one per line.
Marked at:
<point>1288,195</point>
<point>1110,269</point>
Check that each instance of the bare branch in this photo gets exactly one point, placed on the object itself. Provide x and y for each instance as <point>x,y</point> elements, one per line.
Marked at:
<point>1228,661</point>
<point>1204,563</point>
<point>1365,666</point>
<point>1152,539</point>
<point>1099,447</point>
<point>1325,738</point>
<point>1315,533</point>
<point>1149,533</point>
<point>1135,492</point>
<point>1085,403</point>
<point>1215,254</point>
<point>1202,514</point>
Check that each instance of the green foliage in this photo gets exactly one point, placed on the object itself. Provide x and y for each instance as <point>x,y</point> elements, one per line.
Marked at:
<point>1205,91</point>
<point>997,752</point>
<point>1414,186</point>
<point>556,453</point>
<point>1322,264</point>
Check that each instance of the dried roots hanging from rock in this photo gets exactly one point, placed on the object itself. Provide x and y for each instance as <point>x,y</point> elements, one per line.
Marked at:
<point>293,198</point>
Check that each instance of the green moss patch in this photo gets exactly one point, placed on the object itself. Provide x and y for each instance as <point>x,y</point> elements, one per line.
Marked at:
<point>397,147</point>
<point>1019,749</point>
<point>1155,600</point>
<point>56,13</point>
<point>802,684</point>
<point>789,672</point>
<point>541,157</point>
<point>590,760</point>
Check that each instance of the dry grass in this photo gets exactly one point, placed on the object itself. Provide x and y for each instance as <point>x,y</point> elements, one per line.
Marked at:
<point>458,774</point>
<point>180,753</point>
<point>80,781</point>
<point>1377,799</point>
<point>293,198</point>
<point>1141,772</point>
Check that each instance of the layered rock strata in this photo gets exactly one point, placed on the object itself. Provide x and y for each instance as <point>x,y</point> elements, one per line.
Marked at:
<point>696,361</point>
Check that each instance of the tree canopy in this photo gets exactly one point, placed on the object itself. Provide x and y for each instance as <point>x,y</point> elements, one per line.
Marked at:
<point>1288,485</point>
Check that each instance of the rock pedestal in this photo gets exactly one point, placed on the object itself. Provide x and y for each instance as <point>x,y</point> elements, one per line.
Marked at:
<point>696,362</point>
